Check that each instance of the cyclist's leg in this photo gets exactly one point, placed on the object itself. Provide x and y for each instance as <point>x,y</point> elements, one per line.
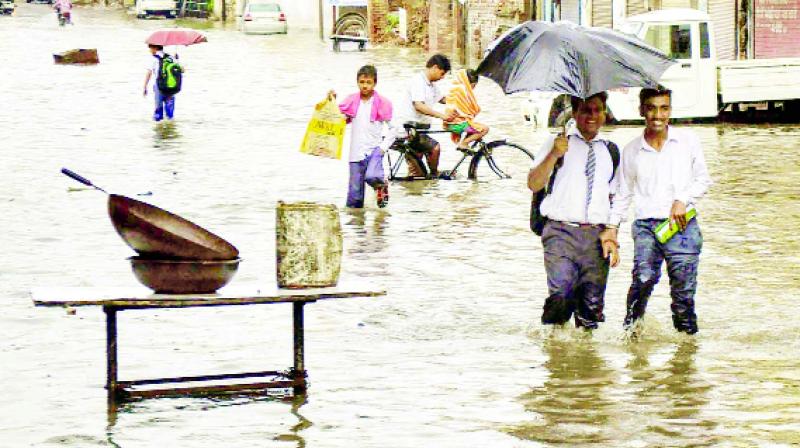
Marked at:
<point>422,144</point>
<point>431,148</point>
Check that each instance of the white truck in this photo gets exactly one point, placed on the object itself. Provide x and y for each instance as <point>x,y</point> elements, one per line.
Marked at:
<point>702,87</point>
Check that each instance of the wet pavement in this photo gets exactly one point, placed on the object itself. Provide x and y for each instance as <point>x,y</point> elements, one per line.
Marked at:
<point>452,356</point>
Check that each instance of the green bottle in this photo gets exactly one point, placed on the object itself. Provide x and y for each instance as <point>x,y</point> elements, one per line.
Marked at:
<point>665,231</point>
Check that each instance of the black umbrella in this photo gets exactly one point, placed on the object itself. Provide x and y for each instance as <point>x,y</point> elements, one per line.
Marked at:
<point>568,58</point>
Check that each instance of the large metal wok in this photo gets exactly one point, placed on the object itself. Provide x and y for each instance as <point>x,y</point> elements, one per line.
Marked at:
<point>156,233</point>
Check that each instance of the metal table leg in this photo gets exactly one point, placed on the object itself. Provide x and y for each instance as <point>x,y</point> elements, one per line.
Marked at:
<point>111,352</point>
<point>299,370</point>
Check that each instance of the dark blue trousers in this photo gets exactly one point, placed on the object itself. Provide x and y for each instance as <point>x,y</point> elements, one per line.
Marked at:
<point>164,105</point>
<point>682,254</point>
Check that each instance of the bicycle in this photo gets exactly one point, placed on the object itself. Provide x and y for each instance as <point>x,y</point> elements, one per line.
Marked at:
<point>495,153</point>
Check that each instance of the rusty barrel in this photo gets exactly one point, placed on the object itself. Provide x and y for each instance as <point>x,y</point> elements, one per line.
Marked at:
<point>308,244</point>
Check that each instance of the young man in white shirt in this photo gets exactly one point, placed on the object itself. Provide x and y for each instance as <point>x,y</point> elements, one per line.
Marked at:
<point>165,105</point>
<point>664,173</point>
<point>577,208</point>
<point>417,105</point>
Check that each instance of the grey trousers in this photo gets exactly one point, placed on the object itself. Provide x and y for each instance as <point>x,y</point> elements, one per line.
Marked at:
<point>576,274</point>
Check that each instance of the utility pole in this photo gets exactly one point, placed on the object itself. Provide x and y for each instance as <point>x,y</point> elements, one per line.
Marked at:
<point>321,31</point>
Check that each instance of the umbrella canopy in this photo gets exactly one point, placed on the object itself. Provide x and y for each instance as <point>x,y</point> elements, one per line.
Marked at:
<point>176,37</point>
<point>568,58</point>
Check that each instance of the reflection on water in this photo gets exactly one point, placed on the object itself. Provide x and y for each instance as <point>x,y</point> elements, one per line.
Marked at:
<point>572,406</point>
<point>165,130</point>
<point>445,359</point>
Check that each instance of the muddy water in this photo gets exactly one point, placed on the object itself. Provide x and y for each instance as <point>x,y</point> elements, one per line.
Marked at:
<point>452,356</point>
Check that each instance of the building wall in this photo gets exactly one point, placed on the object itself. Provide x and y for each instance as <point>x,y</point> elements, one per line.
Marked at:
<point>488,19</point>
<point>440,26</point>
<point>777,28</point>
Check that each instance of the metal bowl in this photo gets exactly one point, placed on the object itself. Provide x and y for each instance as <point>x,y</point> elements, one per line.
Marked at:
<point>183,276</point>
<point>156,233</point>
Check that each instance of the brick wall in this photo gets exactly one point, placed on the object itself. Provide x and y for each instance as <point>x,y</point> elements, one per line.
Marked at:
<point>377,10</point>
<point>487,19</point>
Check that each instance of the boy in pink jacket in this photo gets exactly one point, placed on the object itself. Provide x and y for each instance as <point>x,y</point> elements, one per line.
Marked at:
<point>367,112</point>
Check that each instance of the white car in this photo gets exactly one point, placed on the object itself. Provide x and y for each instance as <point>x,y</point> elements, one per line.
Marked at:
<point>147,8</point>
<point>263,17</point>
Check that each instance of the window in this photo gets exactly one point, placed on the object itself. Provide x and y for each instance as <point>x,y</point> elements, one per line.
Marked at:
<point>264,7</point>
<point>705,47</point>
<point>674,40</point>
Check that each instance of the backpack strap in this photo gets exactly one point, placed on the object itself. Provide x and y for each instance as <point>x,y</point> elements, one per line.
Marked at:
<point>613,151</point>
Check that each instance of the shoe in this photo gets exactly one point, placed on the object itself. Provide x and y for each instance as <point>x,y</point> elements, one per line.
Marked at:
<point>382,196</point>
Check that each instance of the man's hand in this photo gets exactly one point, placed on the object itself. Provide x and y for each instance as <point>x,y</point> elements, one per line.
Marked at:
<point>145,92</point>
<point>608,241</point>
<point>678,215</point>
<point>560,146</point>
<point>451,115</point>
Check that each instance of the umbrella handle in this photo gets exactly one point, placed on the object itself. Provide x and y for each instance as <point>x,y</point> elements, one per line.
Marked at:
<point>81,179</point>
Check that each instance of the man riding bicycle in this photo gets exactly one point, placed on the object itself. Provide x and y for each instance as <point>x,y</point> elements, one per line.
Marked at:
<point>417,105</point>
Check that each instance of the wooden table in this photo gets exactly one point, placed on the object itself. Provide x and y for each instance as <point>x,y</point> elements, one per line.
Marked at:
<point>114,300</point>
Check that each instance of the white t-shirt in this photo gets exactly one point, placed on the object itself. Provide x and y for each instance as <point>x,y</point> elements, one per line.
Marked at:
<point>419,89</point>
<point>366,135</point>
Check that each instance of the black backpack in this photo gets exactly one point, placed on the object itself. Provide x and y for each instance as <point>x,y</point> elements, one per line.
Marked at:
<point>537,219</point>
<point>170,75</point>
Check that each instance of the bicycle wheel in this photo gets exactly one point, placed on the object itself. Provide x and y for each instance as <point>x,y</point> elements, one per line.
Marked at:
<point>500,159</point>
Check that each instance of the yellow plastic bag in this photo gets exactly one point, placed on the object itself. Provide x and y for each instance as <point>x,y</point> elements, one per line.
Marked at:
<point>325,131</point>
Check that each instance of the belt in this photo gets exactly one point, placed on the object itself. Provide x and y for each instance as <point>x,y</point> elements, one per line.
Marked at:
<point>581,225</point>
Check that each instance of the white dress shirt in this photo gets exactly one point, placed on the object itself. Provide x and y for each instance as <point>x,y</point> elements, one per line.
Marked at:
<point>567,201</point>
<point>655,179</point>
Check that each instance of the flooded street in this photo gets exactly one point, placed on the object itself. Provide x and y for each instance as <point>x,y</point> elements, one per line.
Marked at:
<point>453,356</point>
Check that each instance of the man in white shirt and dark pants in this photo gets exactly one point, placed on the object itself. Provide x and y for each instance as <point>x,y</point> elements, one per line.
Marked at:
<point>417,104</point>
<point>664,173</point>
<point>577,210</point>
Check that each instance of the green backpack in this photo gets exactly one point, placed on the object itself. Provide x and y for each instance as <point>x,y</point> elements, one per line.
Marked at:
<point>170,76</point>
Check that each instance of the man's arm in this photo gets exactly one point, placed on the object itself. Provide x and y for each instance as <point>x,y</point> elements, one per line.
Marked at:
<point>423,108</point>
<point>540,174</point>
<point>147,81</point>
<point>700,181</point>
<point>697,187</point>
<point>622,195</point>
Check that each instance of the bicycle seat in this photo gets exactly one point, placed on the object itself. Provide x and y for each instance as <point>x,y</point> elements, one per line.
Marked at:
<point>416,125</point>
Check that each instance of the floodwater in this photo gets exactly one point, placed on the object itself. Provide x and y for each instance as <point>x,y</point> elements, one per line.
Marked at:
<point>452,356</point>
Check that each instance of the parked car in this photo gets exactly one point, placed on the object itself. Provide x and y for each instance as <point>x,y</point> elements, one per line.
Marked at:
<point>7,7</point>
<point>147,8</point>
<point>263,17</point>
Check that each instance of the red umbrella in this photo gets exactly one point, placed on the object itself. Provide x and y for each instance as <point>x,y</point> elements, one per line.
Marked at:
<point>176,37</point>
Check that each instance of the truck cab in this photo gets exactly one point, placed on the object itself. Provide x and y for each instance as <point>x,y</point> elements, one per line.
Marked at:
<point>685,35</point>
